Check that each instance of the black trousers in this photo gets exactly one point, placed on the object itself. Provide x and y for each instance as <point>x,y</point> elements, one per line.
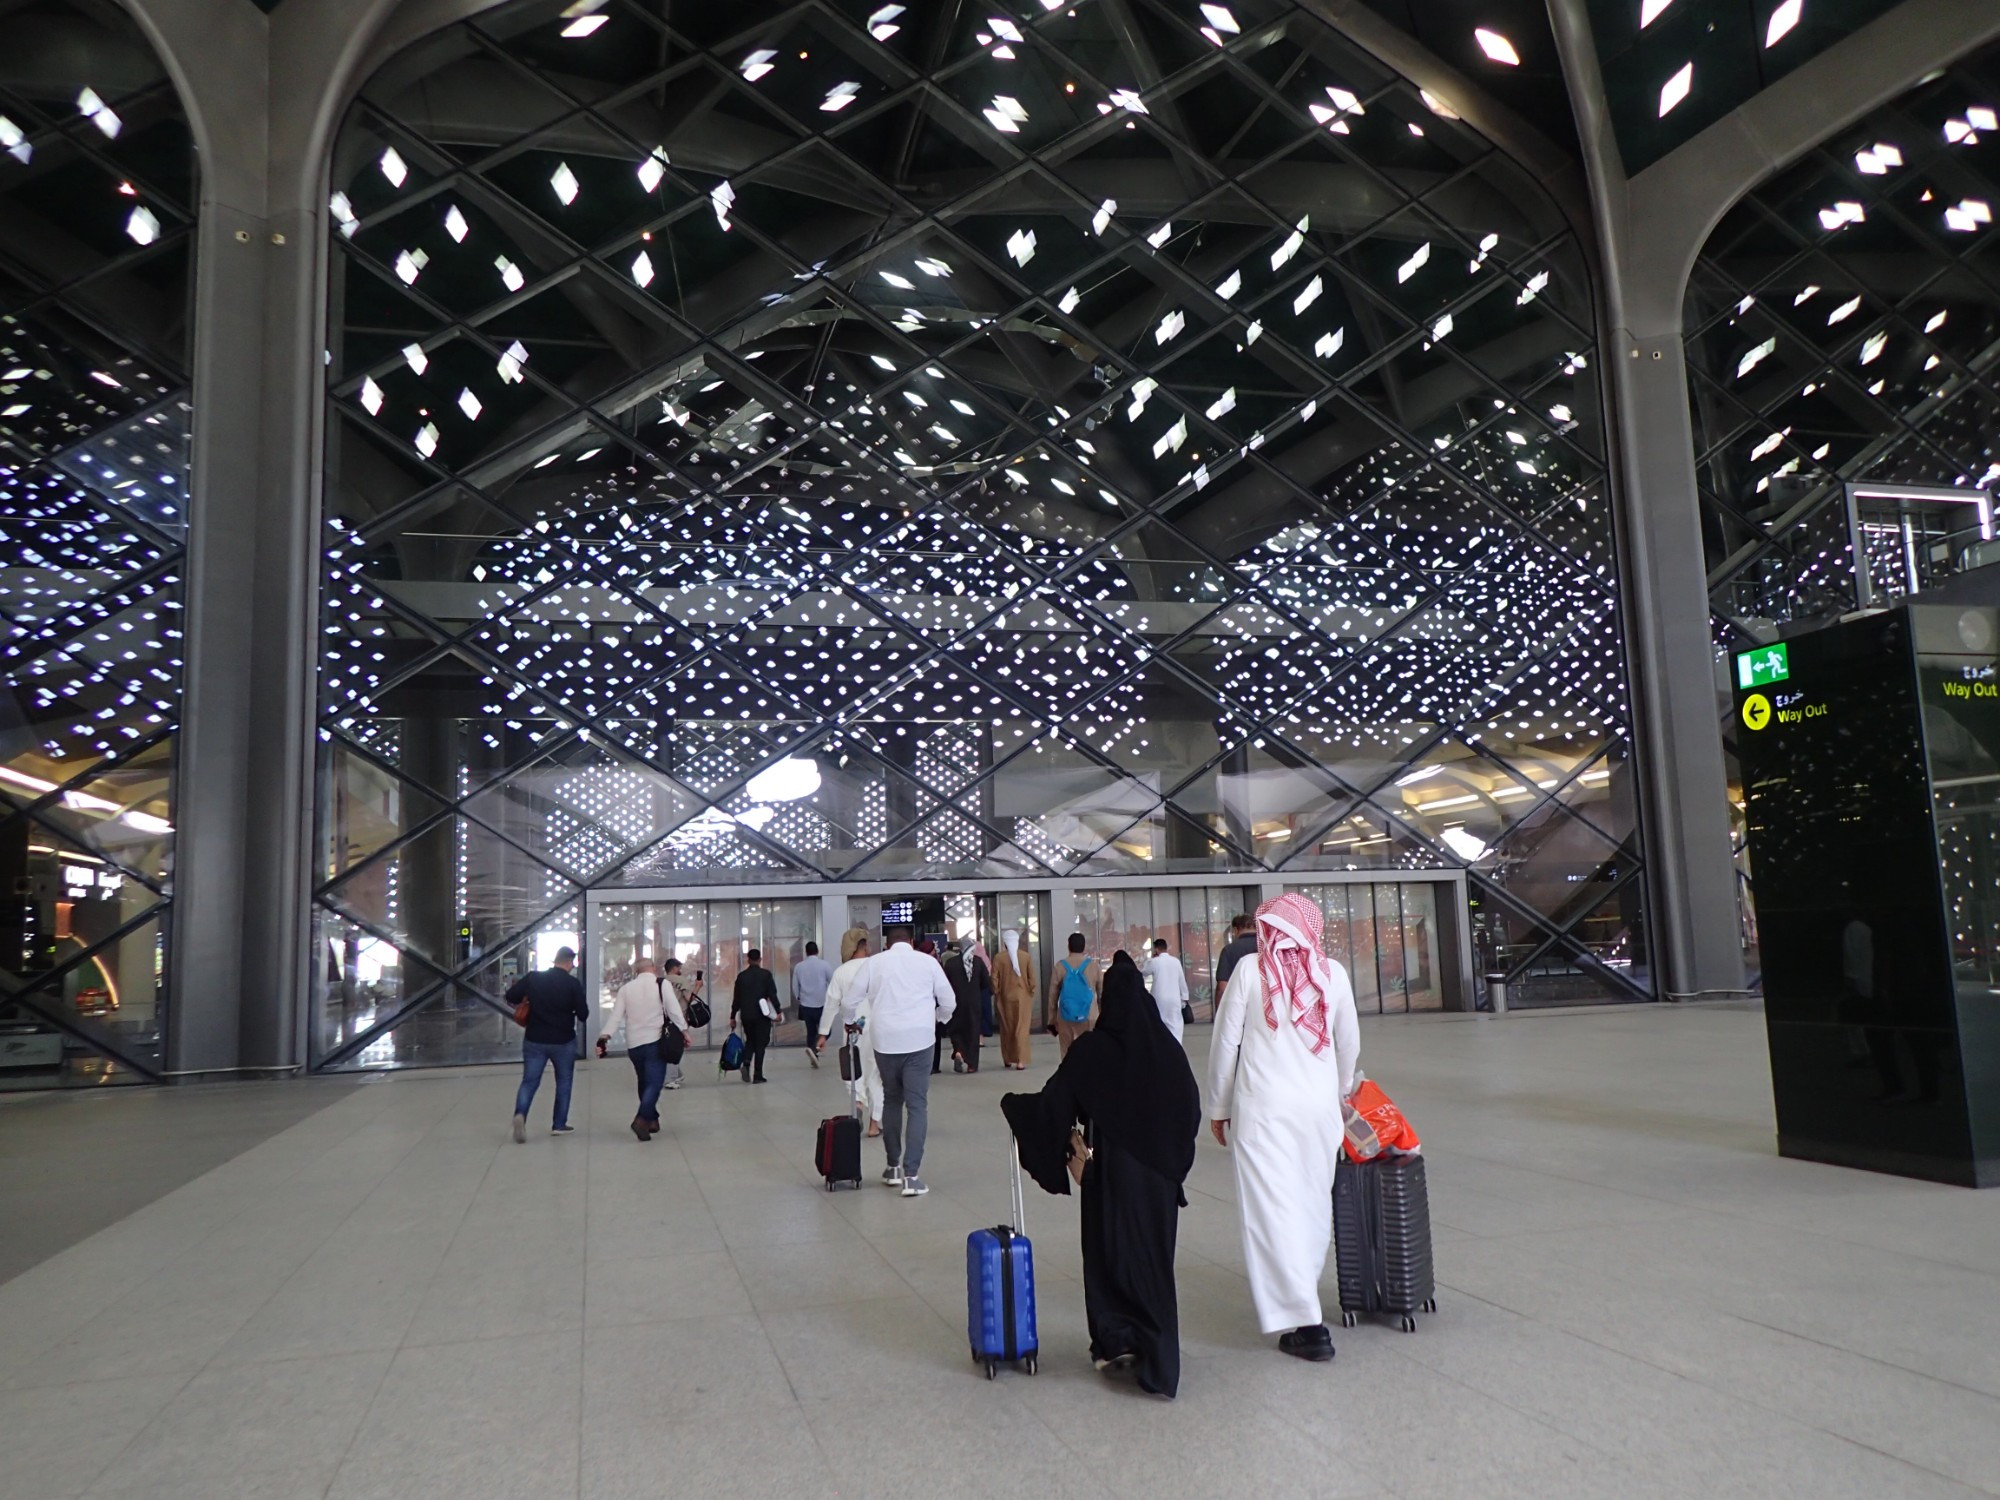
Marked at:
<point>756,1038</point>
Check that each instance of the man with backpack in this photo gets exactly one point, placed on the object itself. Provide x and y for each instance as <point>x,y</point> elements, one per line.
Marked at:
<point>1076,981</point>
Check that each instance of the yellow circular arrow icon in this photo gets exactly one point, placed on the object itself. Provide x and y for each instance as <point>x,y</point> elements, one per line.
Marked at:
<point>1756,711</point>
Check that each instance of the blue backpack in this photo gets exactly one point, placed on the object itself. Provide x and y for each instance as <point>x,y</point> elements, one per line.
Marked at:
<point>732,1053</point>
<point>1074,999</point>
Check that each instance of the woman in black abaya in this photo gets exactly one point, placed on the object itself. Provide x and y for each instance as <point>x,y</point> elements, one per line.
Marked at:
<point>1127,1084</point>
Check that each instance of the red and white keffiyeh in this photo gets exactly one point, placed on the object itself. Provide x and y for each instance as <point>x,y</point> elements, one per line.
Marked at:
<point>1292,962</point>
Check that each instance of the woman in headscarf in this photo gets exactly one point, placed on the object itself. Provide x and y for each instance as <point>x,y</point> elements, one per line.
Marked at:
<point>1283,1058</point>
<point>1014,998</point>
<point>1128,1086</point>
<point>853,954</point>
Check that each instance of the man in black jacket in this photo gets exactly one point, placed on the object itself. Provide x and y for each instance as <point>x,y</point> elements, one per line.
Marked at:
<point>555,1004</point>
<point>755,987</point>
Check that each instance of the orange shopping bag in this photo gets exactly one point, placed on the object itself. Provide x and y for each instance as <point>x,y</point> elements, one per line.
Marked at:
<point>1370,1112</point>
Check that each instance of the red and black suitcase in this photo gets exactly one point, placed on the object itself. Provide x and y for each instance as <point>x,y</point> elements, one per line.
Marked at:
<point>837,1153</point>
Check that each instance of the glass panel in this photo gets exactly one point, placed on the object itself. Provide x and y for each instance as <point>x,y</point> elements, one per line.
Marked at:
<point>1423,977</point>
<point>97,225</point>
<point>878,503</point>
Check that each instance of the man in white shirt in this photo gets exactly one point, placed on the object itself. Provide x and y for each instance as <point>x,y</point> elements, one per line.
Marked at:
<point>908,999</point>
<point>1170,986</point>
<point>643,1006</point>
<point>810,976</point>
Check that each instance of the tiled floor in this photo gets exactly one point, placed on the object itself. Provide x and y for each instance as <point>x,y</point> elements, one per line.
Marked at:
<point>390,1299</point>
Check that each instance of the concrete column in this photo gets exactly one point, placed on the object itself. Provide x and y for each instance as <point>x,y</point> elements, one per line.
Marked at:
<point>262,96</point>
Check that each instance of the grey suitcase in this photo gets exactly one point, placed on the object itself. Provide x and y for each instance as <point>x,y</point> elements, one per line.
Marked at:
<point>1382,1239</point>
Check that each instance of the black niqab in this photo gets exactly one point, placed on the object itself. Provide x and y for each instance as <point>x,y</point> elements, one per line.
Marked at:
<point>1127,1077</point>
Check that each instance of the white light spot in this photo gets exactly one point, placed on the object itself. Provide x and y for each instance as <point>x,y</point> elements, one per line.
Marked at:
<point>16,144</point>
<point>1650,11</point>
<point>653,168</point>
<point>1329,344</point>
<point>901,283</point>
<point>642,269</point>
<point>1497,47</point>
<point>469,404</point>
<point>1308,295</point>
<point>1536,284</point>
<point>1842,213</point>
<point>1872,350</point>
<point>881,23</point>
<point>1290,246</point>
<point>1160,236</point>
<point>1220,18</point>
<point>394,167</point>
<point>142,226</point>
<point>1676,88</point>
<point>455,225</point>
<point>1021,246</point>
<point>427,440</point>
<point>757,64</point>
<point>583,26</point>
<point>98,113</point>
<point>371,396</point>
<point>1223,404</point>
<point>1843,312</point>
<point>1756,357</point>
<point>515,356</point>
<point>839,97</point>
<point>1415,263</point>
<point>509,273</point>
<point>1069,301</point>
<point>415,358</point>
<point>563,180</point>
<point>1172,438</point>
<point>720,198</point>
<point>1170,326</point>
<point>1783,19</point>
<point>1230,285</point>
<point>1101,220</point>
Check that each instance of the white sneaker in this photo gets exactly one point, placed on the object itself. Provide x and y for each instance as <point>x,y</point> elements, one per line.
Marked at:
<point>672,1084</point>
<point>892,1177</point>
<point>913,1187</point>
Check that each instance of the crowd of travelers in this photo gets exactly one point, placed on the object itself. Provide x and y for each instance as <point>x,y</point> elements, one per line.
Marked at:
<point>1119,1118</point>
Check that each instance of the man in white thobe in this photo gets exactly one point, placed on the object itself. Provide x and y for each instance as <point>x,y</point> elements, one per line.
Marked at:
<point>1284,1056</point>
<point>1170,987</point>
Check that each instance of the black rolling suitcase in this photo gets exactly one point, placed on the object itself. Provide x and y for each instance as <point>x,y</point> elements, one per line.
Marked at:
<point>837,1148</point>
<point>1382,1239</point>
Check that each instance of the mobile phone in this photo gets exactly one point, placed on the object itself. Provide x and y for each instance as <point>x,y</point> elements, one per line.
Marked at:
<point>699,976</point>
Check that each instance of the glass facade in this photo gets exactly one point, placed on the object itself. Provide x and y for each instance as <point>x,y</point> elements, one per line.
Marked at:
<point>97,219</point>
<point>792,443</point>
<point>1841,325</point>
<point>710,938</point>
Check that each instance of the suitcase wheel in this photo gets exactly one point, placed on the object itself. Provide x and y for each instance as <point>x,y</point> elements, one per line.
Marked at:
<point>992,1370</point>
<point>1431,1305</point>
<point>1409,1324</point>
<point>1347,1320</point>
<point>1031,1364</point>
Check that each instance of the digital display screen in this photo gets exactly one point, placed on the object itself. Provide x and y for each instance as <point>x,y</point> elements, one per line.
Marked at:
<point>898,913</point>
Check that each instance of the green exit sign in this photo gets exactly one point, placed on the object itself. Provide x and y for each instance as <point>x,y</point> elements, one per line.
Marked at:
<point>1762,667</point>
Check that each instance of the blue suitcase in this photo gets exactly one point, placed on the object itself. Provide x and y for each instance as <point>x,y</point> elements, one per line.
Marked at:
<point>1000,1293</point>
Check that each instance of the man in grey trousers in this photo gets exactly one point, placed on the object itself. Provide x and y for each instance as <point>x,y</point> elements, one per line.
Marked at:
<point>908,999</point>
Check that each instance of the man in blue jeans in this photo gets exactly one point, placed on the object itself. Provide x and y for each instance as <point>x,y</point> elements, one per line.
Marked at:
<point>555,1004</point>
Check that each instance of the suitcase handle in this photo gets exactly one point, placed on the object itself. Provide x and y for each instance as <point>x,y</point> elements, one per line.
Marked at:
<point>1020,1203</point>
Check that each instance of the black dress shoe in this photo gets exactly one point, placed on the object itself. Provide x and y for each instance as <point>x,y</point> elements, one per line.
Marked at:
<point>1314,1343</point>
